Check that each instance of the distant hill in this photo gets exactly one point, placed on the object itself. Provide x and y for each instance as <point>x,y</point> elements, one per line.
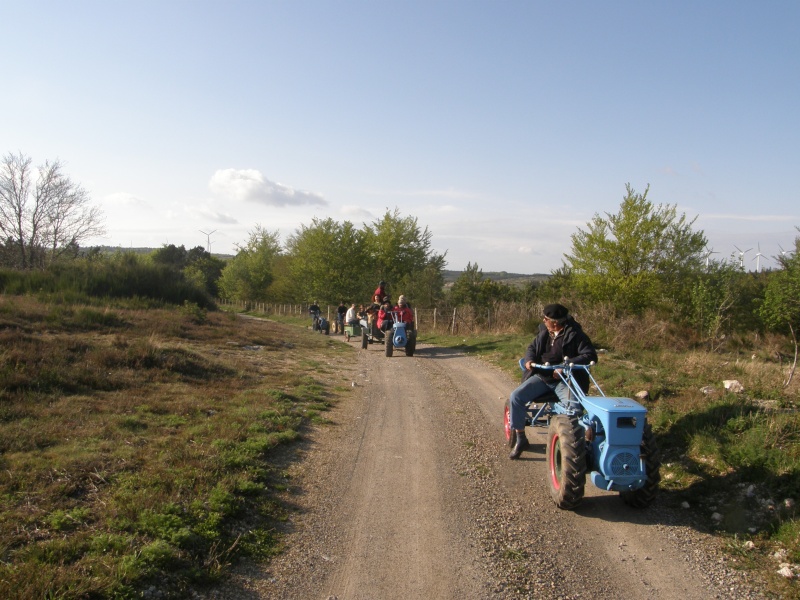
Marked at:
<point>113,249</point>
<point>513,279</point>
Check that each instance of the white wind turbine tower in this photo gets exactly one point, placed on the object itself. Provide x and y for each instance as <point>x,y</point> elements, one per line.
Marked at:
<point>757,258</point>
<point>741,254</point>
<point>709,252</point>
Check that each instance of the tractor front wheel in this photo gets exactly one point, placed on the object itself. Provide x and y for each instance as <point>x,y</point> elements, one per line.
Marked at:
<point>411,345</point>
<point>566,461</point>
<point>644,496</point>
<point>389,344</point>
<point>364,339</point>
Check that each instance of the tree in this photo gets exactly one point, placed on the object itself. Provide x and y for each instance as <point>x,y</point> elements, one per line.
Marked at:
<point>714,296</point>
<point>466,288</point>
<point>248,275</point>
<point>42,212</point>
<point>426,286</point>
<point>401,254</point>
<point>170,255</point>
<point>643,256</point>
<point>197,265</point>
<point>328,261</point>
<point>781,307</point>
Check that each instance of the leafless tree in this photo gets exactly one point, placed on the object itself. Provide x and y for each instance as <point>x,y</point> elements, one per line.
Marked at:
<point>43,213</point>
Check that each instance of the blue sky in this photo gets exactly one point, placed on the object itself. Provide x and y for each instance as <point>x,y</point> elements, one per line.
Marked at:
<point>502,126</point>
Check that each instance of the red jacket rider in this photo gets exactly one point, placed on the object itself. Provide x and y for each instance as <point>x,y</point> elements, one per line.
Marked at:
<point>405,314</point>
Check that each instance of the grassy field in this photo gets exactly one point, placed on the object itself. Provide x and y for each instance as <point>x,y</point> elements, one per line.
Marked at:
<point>149,447</point>
<point>143,447</point>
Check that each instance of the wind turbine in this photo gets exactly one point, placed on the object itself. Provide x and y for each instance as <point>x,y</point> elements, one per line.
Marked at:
<point>208,239</point>
<point>757,258</point>
<point>741,254</point>
<point>709,252</point>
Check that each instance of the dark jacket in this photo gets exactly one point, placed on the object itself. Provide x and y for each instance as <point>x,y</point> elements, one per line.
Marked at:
<point>576,346</point>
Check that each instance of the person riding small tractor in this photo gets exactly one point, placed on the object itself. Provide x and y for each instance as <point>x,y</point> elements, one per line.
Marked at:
<point>607,438</point>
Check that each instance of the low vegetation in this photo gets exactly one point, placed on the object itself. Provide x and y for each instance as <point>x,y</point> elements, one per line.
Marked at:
<point>142,448</point>
<point>146,447</point>
<point>732,459</point>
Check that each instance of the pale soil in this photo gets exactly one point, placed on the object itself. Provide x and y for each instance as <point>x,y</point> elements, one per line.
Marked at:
<point>410,494</point>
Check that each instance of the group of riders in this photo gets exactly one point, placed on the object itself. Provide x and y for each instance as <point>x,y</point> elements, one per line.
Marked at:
<point>380,313</point>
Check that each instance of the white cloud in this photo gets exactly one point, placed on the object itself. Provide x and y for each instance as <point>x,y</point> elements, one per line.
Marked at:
<point>216,217</point>
<point>351,210</point>
<point>126,199</point>
<point>249,185</point>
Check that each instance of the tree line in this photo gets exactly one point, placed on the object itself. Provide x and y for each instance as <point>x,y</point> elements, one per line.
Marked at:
<point>644,259</point>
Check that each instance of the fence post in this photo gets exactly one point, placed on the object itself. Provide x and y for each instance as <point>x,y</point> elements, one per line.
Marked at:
<point>434,319</point>
<point>453,325</point>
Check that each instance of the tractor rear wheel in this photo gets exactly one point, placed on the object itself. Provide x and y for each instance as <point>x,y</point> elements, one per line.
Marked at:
<point>566,461</point>
<point>644,496</point>
<point>364,339</point>
<point>511,434</point>
<point>411,345</point>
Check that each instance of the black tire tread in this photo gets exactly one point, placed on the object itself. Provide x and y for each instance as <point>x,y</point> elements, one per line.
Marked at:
<point>573,461</point>
<point>645,496</point>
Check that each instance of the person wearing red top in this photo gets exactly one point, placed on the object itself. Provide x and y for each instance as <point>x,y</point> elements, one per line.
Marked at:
<point>404,313</point>
<point>380,293</point>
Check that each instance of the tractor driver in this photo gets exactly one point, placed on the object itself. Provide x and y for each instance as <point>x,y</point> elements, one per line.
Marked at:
<point>385,319</point>
<point>559,336</point>
<point>404,313</point>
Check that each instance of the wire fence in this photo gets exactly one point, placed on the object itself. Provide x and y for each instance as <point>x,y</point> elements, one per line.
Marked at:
<point>503,317</point>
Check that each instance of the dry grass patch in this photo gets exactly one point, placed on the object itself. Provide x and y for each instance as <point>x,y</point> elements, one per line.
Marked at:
<point>135,445</point>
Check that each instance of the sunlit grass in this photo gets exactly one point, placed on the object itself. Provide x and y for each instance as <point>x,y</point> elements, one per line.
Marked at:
<point>135,442</point>
<point>715,444</point>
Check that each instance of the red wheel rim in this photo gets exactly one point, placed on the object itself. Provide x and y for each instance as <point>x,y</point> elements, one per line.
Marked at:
<point>555,462</point>
<point>507,423</point>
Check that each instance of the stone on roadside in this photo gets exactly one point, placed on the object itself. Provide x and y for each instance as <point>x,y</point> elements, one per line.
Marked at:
<point>786,571</point>
<point>643,395</point>
<point>708,390</point>
<point>732,385</point>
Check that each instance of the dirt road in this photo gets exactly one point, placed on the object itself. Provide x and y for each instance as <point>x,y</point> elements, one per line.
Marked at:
<point>410,494</point>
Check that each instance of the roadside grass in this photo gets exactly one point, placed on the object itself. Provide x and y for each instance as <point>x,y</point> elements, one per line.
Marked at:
<point>138,447</point>
<point>737,455</point>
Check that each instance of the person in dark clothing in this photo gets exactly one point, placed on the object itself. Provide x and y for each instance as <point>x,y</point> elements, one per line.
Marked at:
<point>385,319</point>
<point>315,312</point>
<point>340,313</point>
<point>560,337</point>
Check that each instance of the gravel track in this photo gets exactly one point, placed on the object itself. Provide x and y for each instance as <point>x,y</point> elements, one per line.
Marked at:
<point>410,494</point>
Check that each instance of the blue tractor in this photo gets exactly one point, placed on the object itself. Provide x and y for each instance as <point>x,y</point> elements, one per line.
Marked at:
<point>399,336</point>
<point>607,438</point>
<point>319,323</point>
